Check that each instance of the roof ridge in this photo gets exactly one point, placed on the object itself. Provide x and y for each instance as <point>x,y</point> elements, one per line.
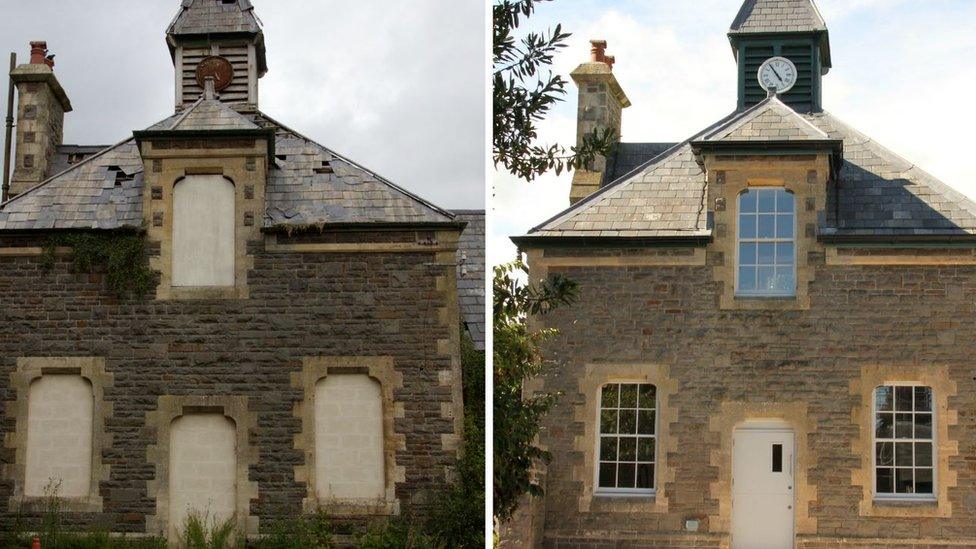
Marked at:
<point>63,172</point>
<point>582,205</point>
<point>380,178</point>
<point>186,112</point>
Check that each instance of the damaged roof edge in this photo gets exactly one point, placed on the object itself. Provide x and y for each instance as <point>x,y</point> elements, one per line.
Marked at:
<point>394,186</point>
<point>70,168</point>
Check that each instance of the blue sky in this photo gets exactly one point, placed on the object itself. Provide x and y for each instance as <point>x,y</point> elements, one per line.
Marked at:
<point>904,74</point>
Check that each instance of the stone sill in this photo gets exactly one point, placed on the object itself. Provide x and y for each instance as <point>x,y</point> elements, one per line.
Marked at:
<point>84,504</point>
<point>906,502</point>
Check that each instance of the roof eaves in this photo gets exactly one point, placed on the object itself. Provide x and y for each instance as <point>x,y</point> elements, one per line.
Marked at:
<point>697,238</point>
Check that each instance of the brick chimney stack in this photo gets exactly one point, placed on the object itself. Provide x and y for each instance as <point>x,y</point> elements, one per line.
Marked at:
<point>601,102</point>
<point>41,106</point>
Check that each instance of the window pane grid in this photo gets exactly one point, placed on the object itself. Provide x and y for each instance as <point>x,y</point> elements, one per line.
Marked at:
<point>766,246</point>
<point>627,442</point>
<point>904,445</point>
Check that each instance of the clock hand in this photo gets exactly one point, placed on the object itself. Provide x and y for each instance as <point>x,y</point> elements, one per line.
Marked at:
<point>776,72</point>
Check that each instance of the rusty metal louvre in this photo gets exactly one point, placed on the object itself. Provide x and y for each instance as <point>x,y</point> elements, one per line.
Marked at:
<point>237,91</point>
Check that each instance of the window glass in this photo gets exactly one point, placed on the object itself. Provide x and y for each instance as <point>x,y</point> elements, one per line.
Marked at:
<point>903,441</point>
<point>628,436</point>
<point>766,243</point>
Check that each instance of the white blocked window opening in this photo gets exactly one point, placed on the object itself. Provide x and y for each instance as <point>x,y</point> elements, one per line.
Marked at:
<point>203,232</point>
<point>203,469</point>
<point>628,439</point>
<point>349,445</point>
<point>766,248</point>
<point>904,445</point>
<point>59,436</point>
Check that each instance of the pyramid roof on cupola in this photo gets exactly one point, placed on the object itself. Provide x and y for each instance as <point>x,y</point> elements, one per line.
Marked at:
<point>214,17</point>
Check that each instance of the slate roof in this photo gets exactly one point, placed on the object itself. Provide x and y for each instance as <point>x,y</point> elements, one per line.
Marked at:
<point>300,193</point>
<point>62,159</point>
<point>214,16</point>
<point>878,192</point>
<point>769,120</point>
<point>629,156</point>
<point>772,16</point>
<point>206,114</point>
<point>104,191</point>
<point>471,274</point>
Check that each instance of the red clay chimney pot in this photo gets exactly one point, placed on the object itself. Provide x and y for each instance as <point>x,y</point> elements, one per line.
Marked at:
<point>598,50</point>
<point>39,53</point>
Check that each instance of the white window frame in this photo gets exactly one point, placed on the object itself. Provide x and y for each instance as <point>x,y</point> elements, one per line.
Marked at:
<point>756,240</point>
<point>874,444</point>
<point>626,492</point>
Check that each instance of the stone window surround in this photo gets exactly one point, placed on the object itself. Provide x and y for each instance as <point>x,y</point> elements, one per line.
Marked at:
<point>934,376</point>
<point>381,369</point>
<point>807,179</point>
<point>172,169</point>
<point>588,413</point>
<point>30,369</point>
<point>171,407</point>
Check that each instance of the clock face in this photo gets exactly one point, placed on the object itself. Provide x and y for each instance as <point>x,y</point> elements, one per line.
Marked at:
<point>777,73</point>
<point>219,68</point>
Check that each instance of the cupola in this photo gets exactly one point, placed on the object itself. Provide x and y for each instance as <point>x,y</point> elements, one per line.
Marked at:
<point>793,36</point>
<point>220,39</point>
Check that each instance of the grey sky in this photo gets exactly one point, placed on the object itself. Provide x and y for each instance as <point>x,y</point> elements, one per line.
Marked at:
<point>397,87</point>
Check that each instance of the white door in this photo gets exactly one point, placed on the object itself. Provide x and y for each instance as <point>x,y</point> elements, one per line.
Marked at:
<point>762,488</point>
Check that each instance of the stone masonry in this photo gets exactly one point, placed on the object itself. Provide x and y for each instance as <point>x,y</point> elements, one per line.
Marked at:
<point>301,305</point>
<point>919,318</point>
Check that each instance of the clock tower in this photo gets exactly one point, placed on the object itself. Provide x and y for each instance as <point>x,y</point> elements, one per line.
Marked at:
<point>774,35</point>
<point>220,39</point>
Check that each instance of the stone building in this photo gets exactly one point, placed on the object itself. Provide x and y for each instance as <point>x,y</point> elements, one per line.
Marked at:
<point>299,346</point>
<point>774,342</point>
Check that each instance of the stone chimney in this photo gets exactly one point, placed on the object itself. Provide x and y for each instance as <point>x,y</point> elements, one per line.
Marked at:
<point>601,102</point>
<point>41,105</point>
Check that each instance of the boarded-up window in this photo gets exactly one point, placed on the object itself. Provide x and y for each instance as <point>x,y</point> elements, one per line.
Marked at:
<point>349,438</point>
<point>202,468</point>
<point>203,231</point>
<point>59,436</point>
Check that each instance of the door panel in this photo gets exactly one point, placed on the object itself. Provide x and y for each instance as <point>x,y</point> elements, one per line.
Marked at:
<point>762,489</point>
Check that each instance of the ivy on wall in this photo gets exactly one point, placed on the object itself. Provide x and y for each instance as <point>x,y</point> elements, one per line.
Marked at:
<point>122,254</point>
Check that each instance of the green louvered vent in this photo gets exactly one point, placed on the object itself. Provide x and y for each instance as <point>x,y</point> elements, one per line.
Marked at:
<point>754,57</point>
<point>804,96</point>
